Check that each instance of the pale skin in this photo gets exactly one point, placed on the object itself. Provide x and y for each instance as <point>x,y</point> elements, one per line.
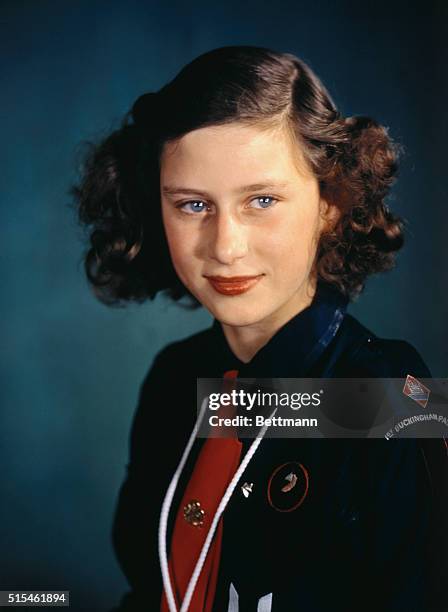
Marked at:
<point>240,200</point>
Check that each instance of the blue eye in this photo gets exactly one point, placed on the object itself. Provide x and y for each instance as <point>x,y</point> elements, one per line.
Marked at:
<point>269,204</point>
<point>193,210</point>
<point>193,207</point>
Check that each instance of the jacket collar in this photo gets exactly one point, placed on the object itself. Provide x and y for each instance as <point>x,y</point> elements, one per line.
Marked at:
<point>297,345</point>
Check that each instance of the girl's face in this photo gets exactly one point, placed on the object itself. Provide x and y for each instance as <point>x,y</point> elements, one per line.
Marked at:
<point>238,201</point>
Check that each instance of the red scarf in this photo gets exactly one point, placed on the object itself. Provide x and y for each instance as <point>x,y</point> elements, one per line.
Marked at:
<point>215,467</point>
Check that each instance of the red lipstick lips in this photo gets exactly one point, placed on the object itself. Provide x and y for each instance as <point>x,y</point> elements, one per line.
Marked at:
<point>233,285</point>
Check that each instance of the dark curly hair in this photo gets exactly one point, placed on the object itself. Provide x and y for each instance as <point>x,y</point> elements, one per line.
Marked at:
<point>117,197</point>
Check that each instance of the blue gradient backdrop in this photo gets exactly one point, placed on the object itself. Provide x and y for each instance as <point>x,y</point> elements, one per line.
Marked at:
<point>71,367</point>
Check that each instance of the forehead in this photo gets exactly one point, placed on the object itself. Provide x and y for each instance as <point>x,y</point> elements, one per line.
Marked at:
<point>233,152</point>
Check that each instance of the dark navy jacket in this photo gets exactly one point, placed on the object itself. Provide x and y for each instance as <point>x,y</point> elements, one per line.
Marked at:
<point>372,532</point>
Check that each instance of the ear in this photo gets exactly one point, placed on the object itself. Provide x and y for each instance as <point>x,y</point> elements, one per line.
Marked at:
<point>329,215</point>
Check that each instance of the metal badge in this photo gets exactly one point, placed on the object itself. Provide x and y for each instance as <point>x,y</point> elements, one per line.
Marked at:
<point>288,486</point>
<point>292,481</point>
<point>194,514</point>
<point>247,488</point>
<point>416,390</point>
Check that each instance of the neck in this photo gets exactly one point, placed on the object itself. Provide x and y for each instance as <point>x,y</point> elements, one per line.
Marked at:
<point>246,340</point>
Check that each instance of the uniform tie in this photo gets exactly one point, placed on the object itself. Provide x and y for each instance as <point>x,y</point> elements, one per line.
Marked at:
<point>215,466</point>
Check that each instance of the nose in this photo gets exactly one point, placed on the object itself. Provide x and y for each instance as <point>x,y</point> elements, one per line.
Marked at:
<point>228,240</point>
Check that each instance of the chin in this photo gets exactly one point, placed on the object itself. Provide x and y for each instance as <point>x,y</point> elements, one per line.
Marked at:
<point>236,316</point>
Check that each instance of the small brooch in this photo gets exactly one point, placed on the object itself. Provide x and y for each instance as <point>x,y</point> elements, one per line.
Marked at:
<point>247,488</point>
<point>288,486</point>
<point>194,514</point>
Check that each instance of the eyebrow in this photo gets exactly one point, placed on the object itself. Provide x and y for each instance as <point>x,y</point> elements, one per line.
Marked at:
<point>174,190</point>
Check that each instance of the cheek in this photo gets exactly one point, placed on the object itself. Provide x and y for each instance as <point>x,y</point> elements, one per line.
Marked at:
<point>173,238</point>
<point>181,243</point>
<point>293,237</point>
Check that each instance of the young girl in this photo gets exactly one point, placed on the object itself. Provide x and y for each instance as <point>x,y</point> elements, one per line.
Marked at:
<point>239,186</point>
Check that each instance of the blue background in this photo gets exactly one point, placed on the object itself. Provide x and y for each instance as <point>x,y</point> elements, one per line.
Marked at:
<point>71,367</point>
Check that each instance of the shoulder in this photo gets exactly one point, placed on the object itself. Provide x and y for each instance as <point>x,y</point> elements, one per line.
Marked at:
<point>369,355</point>
<point>180,350</point>
<point>178,358</point>
<point>169,381</point>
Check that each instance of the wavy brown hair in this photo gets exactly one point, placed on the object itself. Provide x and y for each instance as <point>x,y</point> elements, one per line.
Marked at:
<point>117,196</point>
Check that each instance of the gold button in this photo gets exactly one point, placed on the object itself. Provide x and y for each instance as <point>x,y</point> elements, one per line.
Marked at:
<point>194,514</point>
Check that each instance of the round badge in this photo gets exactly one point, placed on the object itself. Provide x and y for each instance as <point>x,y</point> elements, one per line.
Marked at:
<point>193,513</point>
<point>288,486</point>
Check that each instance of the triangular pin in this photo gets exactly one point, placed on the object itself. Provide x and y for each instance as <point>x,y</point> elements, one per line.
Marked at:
<point>247,488</point>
